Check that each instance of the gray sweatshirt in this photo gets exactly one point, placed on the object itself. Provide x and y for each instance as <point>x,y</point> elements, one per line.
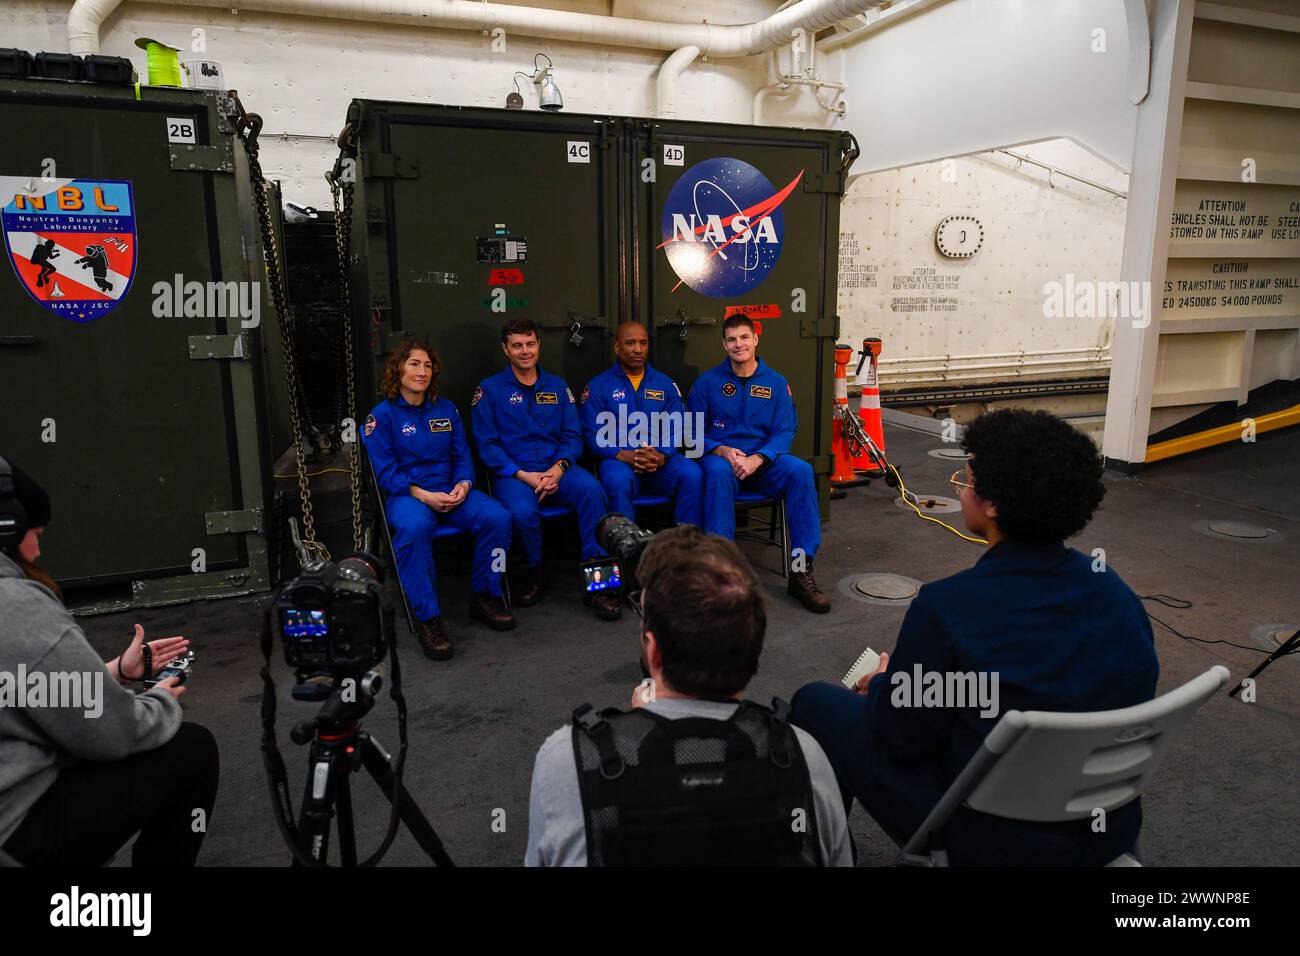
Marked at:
<point>58,703</point>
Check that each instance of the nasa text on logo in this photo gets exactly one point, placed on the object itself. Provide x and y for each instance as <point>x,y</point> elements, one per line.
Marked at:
<point>618,395</point>
<point>71,241</point>
<point>408,429</point>
<point>516,398</point>
<point>723,226</point>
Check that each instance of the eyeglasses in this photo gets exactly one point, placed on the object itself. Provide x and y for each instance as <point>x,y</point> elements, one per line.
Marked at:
<point>957,483</point>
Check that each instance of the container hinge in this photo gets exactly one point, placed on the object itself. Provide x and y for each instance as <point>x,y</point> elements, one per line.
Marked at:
<point>202,159</point>
<point>219,346</point>
<point>827,327</point>
<point>835,183</point>
<point>233,522</point>
<point>389,166</point>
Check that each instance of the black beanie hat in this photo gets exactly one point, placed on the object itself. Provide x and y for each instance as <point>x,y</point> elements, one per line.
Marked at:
<point>32,497</point>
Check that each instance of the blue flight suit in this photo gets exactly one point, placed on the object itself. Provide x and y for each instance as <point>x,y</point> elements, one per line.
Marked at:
<point>757,416</point>
<point>609,423</point>
<point>425,446</point>
<point>529,428</point>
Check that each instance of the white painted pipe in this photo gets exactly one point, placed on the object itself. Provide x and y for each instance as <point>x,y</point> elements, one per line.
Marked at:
<point>987,355</point>
<point>886,18</point>
<point>669,76</point>
<point>743,39</point>
<point>777,89</point>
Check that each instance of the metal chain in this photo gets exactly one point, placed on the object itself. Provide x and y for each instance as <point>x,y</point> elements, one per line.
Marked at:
<point>342,238</point>
<point>249,126</point>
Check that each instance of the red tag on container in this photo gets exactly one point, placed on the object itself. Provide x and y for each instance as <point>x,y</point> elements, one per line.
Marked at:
<point>506,277</point>
<point>770,311</point>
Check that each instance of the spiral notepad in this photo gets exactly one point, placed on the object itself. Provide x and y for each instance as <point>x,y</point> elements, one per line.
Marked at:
<point>866,664</point>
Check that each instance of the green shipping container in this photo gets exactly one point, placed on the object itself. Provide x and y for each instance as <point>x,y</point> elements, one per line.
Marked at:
<point>135,334</point>
<point>464,218</point>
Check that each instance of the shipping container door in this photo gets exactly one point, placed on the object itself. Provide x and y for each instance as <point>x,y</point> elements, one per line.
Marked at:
<point>735,221</point>
<point>489,215</point>
<point>103,399</point>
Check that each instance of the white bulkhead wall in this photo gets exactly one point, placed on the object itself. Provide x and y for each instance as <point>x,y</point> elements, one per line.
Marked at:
<point>300,73</point>
<point>963,321</point>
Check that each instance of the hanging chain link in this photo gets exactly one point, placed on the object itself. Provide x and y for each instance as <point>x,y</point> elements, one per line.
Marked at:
<point>342,238</point>
<point>249,125</point>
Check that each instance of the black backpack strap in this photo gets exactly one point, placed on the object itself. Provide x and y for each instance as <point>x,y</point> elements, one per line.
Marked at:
<point>597,729</point>
<point>783,738</point>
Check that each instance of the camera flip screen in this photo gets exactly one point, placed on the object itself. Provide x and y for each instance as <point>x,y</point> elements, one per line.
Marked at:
<point>304,623</point>
<point>602,575</point>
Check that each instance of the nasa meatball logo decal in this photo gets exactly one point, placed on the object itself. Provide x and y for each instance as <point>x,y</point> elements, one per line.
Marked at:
<point>71,241</point>
<point>618,395</point>
<point>723,227</point>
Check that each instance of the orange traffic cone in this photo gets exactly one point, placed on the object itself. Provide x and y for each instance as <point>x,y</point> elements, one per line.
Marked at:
<point>869,408</point>
<point>843,475</point>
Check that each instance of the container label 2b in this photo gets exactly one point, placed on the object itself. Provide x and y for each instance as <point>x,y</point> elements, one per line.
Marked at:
<point>180,129</point>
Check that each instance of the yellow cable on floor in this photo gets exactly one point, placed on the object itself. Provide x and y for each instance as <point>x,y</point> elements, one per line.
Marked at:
<point>925,517</point>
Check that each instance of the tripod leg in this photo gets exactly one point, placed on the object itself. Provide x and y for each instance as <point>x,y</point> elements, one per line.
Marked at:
<point>1290,646</point>
<point>347,833</point>
<point>377,763</point>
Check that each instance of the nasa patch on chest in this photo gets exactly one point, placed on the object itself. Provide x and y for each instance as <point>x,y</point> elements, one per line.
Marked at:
<point>548,398</point>
<point>439,424</point>
<point>729,389</point>
<point>760,391</point>
<point>516,398</point>
<point>408,429</point>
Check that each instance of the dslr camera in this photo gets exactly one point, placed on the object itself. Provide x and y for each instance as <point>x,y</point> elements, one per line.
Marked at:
<point>333,620</point>
<point>624,540</point>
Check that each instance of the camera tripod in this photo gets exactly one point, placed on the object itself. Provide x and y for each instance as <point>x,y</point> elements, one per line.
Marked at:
<point>339,747</point>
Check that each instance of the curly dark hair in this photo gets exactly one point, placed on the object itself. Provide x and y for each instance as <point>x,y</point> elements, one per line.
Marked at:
<point>1043,475</point>
<point>705,608</point>
<point>391,385</point>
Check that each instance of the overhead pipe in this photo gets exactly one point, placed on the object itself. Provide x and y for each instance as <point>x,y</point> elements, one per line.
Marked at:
<point>669,75</point>
<point>745,39</point>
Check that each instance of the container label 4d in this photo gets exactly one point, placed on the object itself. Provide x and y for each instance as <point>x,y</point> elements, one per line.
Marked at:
<point>71,241</point>
<point>723,227</point>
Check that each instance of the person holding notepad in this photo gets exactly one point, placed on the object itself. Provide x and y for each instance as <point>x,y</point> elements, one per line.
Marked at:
<point>1034,625</point>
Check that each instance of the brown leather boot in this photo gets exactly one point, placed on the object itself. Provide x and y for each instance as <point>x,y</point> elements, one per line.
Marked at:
<point>529,587</point>
<point>803,587</point>
<point>434,640</point>
<point>491,611</point>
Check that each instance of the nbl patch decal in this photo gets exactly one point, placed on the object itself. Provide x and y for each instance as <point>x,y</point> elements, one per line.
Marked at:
<point>370,425</point>
<point>654,395</point>
<point>547,398</point>
<point>71,241</point>
<point>729,389</point>
<point>586,394</point>
<point>478,394</point>
<point>439,424</point>
<point>760,391</point>
<point>723,227</point>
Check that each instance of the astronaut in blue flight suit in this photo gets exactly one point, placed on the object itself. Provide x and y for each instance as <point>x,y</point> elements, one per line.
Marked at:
<point>750,422</point>
<point>416,442</point>
<point>528,433</point>
<point>633,421</point>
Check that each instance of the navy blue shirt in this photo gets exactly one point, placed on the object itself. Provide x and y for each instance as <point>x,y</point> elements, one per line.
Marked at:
<point>525,427</point>
<point>612,389</point>
<point>422,445</point>
<point>755,414</point>
<point>1059,635</point>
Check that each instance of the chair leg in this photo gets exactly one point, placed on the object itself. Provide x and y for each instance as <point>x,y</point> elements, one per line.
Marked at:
<point>785,542</point>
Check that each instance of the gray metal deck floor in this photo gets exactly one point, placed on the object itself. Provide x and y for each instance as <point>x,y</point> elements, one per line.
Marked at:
<point>1228,795</point>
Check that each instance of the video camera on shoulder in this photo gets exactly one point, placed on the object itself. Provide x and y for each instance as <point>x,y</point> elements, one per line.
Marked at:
<point>333,620</point>
<point>624,540</point>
